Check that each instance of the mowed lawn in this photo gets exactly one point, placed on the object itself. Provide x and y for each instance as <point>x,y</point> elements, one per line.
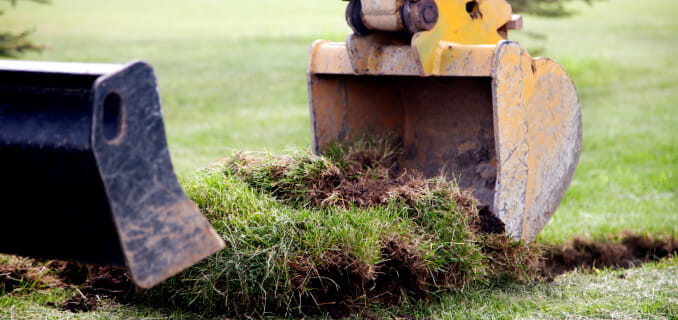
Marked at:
<point>232,77</point>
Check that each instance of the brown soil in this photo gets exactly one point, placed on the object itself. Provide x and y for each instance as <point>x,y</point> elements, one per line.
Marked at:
<point>631,250</point>
<point>11,278</point>
<point>338,283</point>
<point>402,275</point>
<point>334,283</point>
<point>489,223</point>
<point>363,178</point>
<point>512,260</point>
<point>96,284</point>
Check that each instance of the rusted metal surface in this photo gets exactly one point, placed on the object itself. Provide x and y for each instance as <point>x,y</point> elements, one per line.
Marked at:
<point>87,174</point>
<point>419,15</point>
<point>555,124</point>
<point>428,116</point>
<point>516,22</point>
<point>511,130</point>
<point>403,16</point>
<point>461,101</point>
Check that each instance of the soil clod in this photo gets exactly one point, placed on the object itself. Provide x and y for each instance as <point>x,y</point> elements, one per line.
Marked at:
<point>333,283</point>
<point>489,223</point>
<point>96,285</point>
<point>402,276</point>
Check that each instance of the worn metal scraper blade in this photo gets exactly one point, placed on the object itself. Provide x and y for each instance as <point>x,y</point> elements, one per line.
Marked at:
<point>86,172</point>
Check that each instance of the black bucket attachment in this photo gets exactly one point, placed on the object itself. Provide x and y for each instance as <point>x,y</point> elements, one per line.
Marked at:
<point>85,173</point>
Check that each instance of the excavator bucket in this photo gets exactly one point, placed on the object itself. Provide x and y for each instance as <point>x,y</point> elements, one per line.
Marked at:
<point>86,173</point>
<point>441,79</point>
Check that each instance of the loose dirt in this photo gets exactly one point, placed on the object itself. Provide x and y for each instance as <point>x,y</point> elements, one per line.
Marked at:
<point>338,283</point>
<point>102,285</point>
<point>631,250</point>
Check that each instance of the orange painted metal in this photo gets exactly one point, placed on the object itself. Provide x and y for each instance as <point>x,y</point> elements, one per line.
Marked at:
<point>462,101</point>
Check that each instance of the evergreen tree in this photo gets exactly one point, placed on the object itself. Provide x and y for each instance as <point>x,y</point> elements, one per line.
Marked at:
<point>13,43</point>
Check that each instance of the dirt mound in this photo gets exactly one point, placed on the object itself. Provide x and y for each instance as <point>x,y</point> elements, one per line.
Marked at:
<point>345,177</point>
<point>631,250</point>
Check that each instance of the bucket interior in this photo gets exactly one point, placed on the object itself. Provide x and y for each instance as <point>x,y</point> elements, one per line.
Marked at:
<point>444,124</point>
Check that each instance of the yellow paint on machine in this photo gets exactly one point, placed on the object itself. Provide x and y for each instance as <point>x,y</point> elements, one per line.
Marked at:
<point>462,100</point>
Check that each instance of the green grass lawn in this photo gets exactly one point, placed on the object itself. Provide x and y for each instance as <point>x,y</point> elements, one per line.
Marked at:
<point>233,77</point>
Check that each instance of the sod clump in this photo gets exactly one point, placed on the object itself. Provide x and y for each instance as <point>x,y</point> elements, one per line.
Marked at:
<point>20,275</point>
<point>336,234</point>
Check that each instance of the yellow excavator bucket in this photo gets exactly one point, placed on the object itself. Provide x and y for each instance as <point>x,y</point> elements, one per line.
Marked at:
<point>441,78</point>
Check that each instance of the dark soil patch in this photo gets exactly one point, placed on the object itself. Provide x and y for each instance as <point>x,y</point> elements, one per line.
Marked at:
<point>95,285</point>
<point>631,250</point>
<point>402,276</point>
<point>333,283</point>
<point>369,192</point>
<point>489,223</point>
<point>70,272</point>
<point>11,278</point>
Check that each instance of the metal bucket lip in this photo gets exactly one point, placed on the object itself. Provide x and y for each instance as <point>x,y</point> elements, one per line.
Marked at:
<point>532,173</point>
<point>77,68</point>
<point>159,230</point>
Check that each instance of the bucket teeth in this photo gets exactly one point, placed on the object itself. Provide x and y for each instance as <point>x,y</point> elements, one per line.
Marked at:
<point>86,169</point>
